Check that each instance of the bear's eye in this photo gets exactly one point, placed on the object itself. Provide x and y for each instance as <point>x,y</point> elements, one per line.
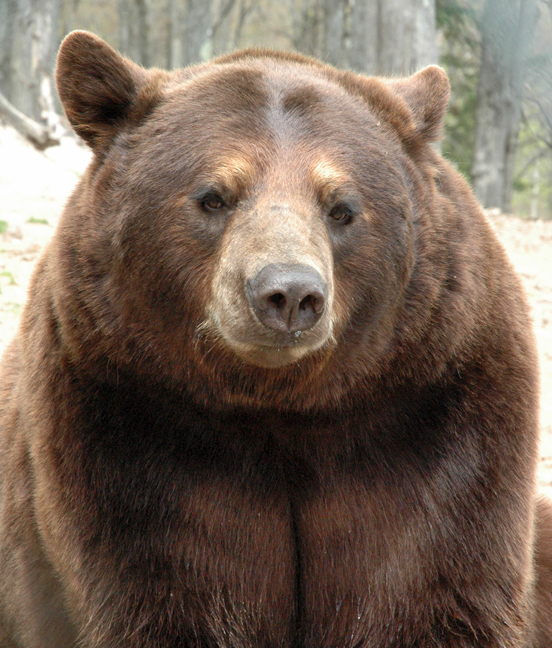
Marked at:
<point>212,203</point>
<point>341,213</point>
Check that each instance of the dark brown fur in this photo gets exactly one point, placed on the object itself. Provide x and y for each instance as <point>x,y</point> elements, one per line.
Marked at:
<point>173,473</point>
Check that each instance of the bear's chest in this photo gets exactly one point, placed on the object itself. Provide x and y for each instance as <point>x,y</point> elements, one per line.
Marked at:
<point>233,548</point>
<point>214,533</point>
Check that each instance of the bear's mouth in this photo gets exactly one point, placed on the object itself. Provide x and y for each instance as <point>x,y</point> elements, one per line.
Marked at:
<point>274,356</point>
<point>255,344</point>
<point>269,349</point>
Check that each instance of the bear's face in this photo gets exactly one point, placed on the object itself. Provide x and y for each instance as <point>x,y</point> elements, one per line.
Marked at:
<point>258,206</point>
<point>286,209</point>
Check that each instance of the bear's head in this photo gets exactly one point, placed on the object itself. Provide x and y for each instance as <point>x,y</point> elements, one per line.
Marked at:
<point>247,228</point>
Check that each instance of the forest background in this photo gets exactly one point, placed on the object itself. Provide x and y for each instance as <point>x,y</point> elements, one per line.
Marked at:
<point>498,54</point>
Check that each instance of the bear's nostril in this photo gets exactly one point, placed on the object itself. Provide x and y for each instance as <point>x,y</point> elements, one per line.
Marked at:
<point>287,298</point>
<point>278,300</point>
<point>313,302</point>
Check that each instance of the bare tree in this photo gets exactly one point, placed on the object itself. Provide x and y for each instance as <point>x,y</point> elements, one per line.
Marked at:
<point>335,23</point>
<point>224,17</point>
<point>406,36</point>
<point>143,32</point>
<point>174,57</point>
<point>28,46</point>
<point>126,22</point>
<point>7,20</point>
<point>244,8</point>
<point>198,31</point>
<point>364,49</point>
<point>191,31</point>
<point>305,25</point>
<point>28,42</point>
<point>507,28</point>
<point>373,36</point>
<point>134,30</point>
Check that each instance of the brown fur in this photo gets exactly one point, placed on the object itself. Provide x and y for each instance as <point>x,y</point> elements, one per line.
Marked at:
<point>176,473</point>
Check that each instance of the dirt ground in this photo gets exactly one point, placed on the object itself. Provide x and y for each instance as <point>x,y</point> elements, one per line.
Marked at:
<point>34,187</point>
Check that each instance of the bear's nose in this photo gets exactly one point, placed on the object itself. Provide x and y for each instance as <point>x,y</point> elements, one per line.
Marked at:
<point>287,298</point>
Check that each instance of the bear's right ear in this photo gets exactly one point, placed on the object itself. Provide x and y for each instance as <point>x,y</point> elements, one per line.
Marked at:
<point>100,90</point>
<point>427,94</point>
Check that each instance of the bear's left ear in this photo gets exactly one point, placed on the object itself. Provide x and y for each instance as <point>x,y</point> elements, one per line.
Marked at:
<point>101,91</point>
<point>426,93</point>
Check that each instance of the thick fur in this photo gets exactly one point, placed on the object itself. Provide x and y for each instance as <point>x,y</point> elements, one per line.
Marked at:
<point>173,473</point>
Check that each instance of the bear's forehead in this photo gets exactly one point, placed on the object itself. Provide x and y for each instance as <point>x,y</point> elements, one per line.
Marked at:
<point>269,89</point>
<point>242,122</point>
<point>267,107</point>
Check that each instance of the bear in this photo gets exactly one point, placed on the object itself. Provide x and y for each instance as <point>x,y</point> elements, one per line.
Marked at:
<point>275,384</point>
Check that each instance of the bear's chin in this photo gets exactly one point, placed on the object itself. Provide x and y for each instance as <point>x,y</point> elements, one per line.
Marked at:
<point>272,357</point>
<point>267,349</point>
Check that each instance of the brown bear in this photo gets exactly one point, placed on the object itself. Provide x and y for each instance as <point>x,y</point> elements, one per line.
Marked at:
<point>275,385</point>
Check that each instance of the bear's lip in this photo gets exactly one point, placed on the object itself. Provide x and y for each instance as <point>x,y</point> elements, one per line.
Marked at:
<point>273,357</point>
<point>279,353</point>
<point>286,339</point>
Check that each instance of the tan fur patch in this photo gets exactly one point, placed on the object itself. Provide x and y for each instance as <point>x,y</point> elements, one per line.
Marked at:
<point>328,178</point>
<point>234,173</point>
<point>325,172</point>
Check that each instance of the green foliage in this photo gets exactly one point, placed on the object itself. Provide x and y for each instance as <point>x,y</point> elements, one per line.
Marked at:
<point>460,55</point>
<point>3,226</point>
<point>458,23</point>
<point>12,307</point>
<point>10,276</point>
<point>533,174</point>
<point>37,221</point>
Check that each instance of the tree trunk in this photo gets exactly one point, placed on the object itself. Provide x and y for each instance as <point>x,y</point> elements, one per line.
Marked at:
<point>223,23</point>
<point>507,28</point>
<point>125,19</point>
<point>143,32</point>
<point>134,30</point>
<point>363,56</point>
<point>28,45</point>
<point>198,31</point>
<point>306,26</point>
<point>175,35</point>
<point>7,23</point>
<point>244,8</point>
<point>335,30</point>
<point>36,133</point>
<point>387,37</point>
<point>407,36</point>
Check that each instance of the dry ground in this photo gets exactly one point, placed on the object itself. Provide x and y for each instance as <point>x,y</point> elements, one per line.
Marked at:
<point>34,186</point>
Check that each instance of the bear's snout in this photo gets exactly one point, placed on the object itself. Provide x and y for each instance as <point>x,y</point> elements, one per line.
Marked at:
<point>272,294</point>
<point>287,298</point>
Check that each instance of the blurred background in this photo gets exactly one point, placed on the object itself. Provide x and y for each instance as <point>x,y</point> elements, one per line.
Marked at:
<point>498,54</point>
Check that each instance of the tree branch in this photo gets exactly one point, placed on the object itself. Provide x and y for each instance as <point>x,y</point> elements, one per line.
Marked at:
<point>37,134</point>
